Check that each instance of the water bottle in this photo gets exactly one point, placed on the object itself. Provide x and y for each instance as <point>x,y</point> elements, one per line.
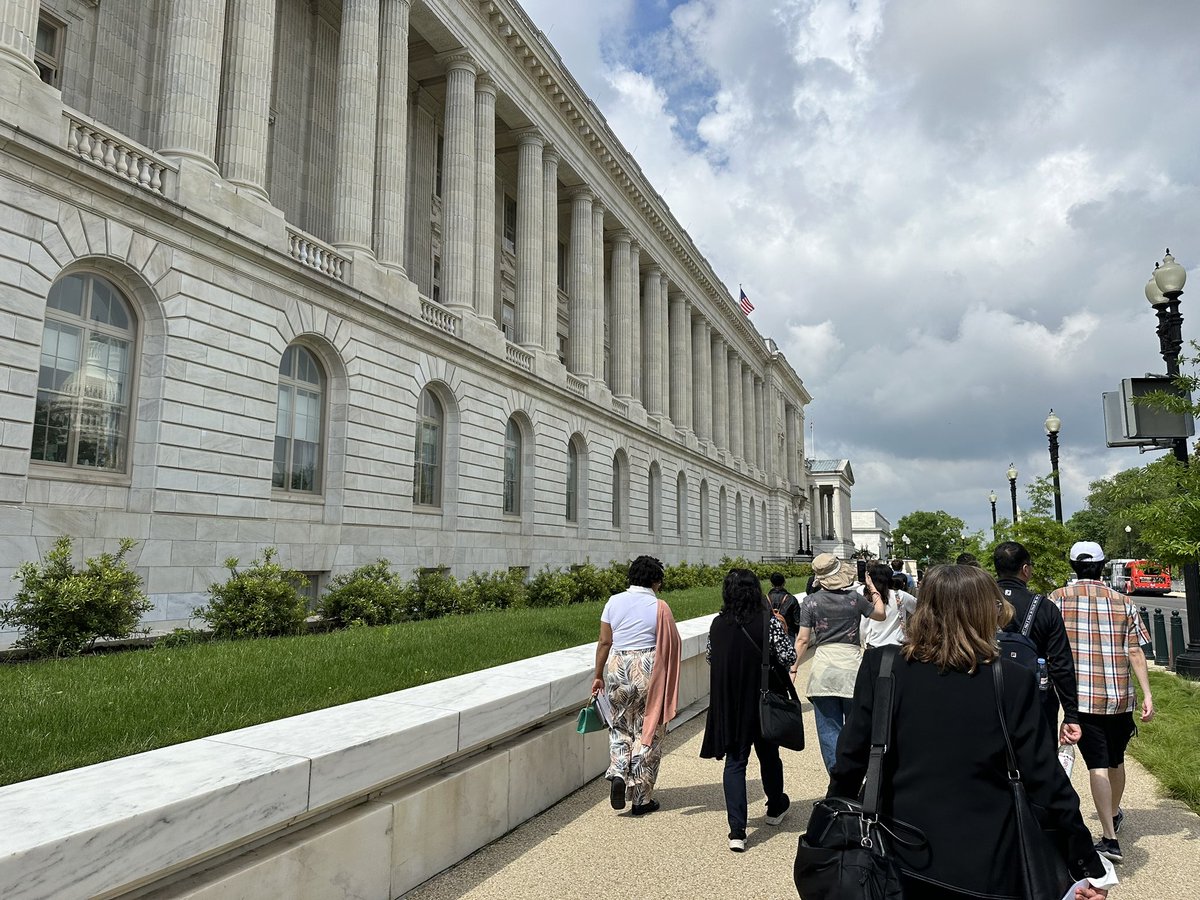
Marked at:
<point>1043,675</point>
<point>1066,758</point>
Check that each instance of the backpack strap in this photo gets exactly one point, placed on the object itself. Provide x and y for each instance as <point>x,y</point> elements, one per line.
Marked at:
<point>1027,625</point>
<point>881,730</point>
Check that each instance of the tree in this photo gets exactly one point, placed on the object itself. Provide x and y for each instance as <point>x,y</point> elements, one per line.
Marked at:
<point>1112,504</point>
<point>1047,542</point>
<point>939,530</point>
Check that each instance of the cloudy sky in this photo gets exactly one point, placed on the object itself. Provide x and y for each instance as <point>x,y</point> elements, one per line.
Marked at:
<point>944,212</point>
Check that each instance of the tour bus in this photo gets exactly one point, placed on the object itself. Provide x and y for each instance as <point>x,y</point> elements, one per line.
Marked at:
<point>1138,576</point>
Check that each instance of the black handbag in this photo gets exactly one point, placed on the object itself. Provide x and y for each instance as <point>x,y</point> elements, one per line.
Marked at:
<point>1044,873</point>
<point>780,716</point>
<point>845,852</point>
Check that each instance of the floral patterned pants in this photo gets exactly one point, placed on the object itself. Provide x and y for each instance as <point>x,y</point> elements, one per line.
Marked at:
<point>627,682</point>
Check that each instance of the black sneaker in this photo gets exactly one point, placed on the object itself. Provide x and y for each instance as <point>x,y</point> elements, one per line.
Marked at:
<point>1109,849</point>
<point>737,841</point>
<point>775,815</point>
<point>643,809</point>
<point>1118,820</point>
<point>616,793</point>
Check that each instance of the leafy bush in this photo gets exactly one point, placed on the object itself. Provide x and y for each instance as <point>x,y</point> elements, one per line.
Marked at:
<point>261,601</point>
<point>550,587</point>
<point>433,593</point>
<point>182,637</point>
<point>588,583</point>
<point>63,611</point>
<point>492,590</point>
<point>370,595</point>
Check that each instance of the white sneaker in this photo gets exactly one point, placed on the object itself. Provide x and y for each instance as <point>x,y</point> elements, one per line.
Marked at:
<point>737,845</point>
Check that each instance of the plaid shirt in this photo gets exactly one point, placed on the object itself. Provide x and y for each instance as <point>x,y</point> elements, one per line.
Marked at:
<point>1102,625</point>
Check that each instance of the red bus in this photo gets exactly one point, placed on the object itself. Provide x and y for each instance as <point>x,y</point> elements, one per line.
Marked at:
<point>1139,576</point>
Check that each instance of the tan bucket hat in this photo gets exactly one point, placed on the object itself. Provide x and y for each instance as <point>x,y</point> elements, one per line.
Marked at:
<point>833,573</point>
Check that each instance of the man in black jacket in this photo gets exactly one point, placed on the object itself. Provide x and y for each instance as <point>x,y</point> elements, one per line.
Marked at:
<point>1013,570</point>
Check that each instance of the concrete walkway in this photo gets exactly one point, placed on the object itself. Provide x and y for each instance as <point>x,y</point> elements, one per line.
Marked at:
<point>581,849</point>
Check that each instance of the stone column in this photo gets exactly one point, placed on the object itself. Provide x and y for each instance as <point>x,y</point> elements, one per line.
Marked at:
<point>622,313</point>
<point>719,379</point>
<point>792,460</point>
<point>750,432</point>
<point>763,438</point>
<point>18,31</point>
<point>596,312</point>
<point>701,392</point>
<point>529,237</point>
<point>581,287</point>
<point>737,442</point>
<point>652,342</point>
<point>458,184</point>
<point>354,131</point>
<point>246,104</point>
<point>635,321</point>
<point>664,346</point>
<point>681,403</point>
<point>391,154</point>
<point>191,81</point>
<point>550,251</point>
<point>485,198</point>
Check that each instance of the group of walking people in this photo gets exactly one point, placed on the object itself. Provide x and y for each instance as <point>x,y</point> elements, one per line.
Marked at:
<point>946,771</point>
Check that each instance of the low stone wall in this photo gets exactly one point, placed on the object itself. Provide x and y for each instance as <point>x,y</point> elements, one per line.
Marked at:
<point>365,800</point>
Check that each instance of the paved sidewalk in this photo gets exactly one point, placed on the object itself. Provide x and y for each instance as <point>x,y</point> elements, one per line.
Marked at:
<point>581,849</point>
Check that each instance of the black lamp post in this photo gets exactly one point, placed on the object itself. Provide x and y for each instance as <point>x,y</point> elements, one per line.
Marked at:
<point>1012,488</point>
<point>1163,291</point>
<point>1053,424</point>
<point>993,498</point>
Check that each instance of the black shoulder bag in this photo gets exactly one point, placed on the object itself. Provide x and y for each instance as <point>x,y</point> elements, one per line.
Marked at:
<point>780,717</point>
<point>1044,873</point>
<point>845,854</point>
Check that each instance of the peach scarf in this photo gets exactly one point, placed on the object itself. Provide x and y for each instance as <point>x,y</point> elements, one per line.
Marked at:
<point>663,693</point>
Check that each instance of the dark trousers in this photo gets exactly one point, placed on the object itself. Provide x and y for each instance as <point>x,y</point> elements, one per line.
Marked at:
<point>734,780</point>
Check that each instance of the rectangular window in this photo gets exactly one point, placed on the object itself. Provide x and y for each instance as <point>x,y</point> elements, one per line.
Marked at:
<point>562,266</point>
<point>48,48</point>
<point>508,320</point>
<point>435,289</point>
<point>437,166</point>
<point>563,343</point>
<point>510,224</point>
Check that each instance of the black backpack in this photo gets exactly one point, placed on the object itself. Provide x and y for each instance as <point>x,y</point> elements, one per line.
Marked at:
<point>1019,647</point>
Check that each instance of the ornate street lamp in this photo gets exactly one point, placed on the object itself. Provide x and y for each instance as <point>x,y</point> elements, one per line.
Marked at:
<point>993,498</point>
<point>1128,541</point>
<point>1053,424</point>
<point>1012,488</point>
<point>1163,291</point>
<point>906,540</point>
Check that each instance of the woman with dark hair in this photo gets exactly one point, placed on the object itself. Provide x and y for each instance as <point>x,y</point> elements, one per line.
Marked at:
<point>945,770</point>
<point>637,666</point>
<point>891,630</point>
<point>735,678</point>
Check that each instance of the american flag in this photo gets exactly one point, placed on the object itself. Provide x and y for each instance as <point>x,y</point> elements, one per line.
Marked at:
<point>744,302</point>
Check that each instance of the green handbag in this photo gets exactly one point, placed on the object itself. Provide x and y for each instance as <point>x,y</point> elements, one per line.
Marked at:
<point>590,719</point>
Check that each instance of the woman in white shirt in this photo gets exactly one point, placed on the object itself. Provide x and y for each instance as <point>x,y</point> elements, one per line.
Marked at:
<point>891,629</point>
<point>637,666</point>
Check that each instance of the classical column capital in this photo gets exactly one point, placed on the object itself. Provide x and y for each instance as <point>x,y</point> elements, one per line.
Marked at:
<point>581,193</point>
<point>665,282</point>
<point>621,236</point>
<point>485,85</point>
<point>598,207</point>
<point>550,155</point>
<point>529,136</point>
<point>460,59</point>
<point>653,270</point>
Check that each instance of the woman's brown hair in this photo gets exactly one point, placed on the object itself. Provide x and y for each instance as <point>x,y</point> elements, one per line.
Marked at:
<point>959,610</point>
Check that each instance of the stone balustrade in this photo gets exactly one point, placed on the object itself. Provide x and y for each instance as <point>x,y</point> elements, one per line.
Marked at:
<point>620,406</point>
<point>367,799</point>
<point>117,154</point>
<point>440,318</point>
<point>522,359</point>
<point>316,254</point>
<point>577,385</point>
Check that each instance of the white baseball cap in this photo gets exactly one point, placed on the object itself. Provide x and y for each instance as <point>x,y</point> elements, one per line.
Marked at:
<point>1087,550</point>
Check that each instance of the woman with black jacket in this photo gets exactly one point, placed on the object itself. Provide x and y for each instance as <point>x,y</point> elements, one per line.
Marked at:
<point>735,678</point>
<point>945,770</point>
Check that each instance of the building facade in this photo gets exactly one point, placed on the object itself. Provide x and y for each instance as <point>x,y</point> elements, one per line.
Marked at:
<point>828,515</point>
<point>872,534</point>
<point>357,280</point>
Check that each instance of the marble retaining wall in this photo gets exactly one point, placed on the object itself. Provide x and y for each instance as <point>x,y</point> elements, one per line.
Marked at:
<point>365,800</point>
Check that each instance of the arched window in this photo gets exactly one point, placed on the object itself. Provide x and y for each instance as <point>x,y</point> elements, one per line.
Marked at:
<point>427,468</point>
<point>704,512</point>
<point>620,489</point>
<point>298,422</point>
<point>722,515</point>
<point>572,482</point>
<point>512,468</point>
<point>753,525</point>
<point>653,490</point>
<point>737,511</point>
<point>85,376</point>
<point>681,507</point>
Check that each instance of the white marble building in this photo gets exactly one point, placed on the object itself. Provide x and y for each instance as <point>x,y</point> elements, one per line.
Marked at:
<point>828,515</point>
<point>357,280</point>
<point>872,532</point>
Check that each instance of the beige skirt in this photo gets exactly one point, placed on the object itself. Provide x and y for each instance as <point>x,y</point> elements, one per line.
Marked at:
<point>834,670</point>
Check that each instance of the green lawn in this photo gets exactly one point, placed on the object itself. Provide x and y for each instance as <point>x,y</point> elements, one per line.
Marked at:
<point>60,714</point>
<point>1169,744</point>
